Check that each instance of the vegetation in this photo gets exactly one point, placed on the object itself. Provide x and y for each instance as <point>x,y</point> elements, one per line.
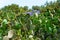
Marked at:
<point>16,24</point>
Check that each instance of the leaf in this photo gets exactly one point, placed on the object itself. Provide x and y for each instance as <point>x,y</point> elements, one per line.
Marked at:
<point>10,33</point>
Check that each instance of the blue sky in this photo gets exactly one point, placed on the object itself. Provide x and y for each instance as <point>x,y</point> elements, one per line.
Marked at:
<point>28,3</point>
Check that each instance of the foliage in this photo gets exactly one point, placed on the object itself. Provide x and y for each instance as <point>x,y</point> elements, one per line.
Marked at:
<point>42,26</point>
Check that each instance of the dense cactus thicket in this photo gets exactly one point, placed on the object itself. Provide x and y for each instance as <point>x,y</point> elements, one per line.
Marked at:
<point>38,23</point>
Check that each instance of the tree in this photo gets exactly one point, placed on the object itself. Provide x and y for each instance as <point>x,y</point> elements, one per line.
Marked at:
<point>25,8</point>
<point>12,7</point>
<point>35,7</point>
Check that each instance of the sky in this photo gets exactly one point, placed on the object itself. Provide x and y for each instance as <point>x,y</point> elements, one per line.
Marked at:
<point>28,3</point>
